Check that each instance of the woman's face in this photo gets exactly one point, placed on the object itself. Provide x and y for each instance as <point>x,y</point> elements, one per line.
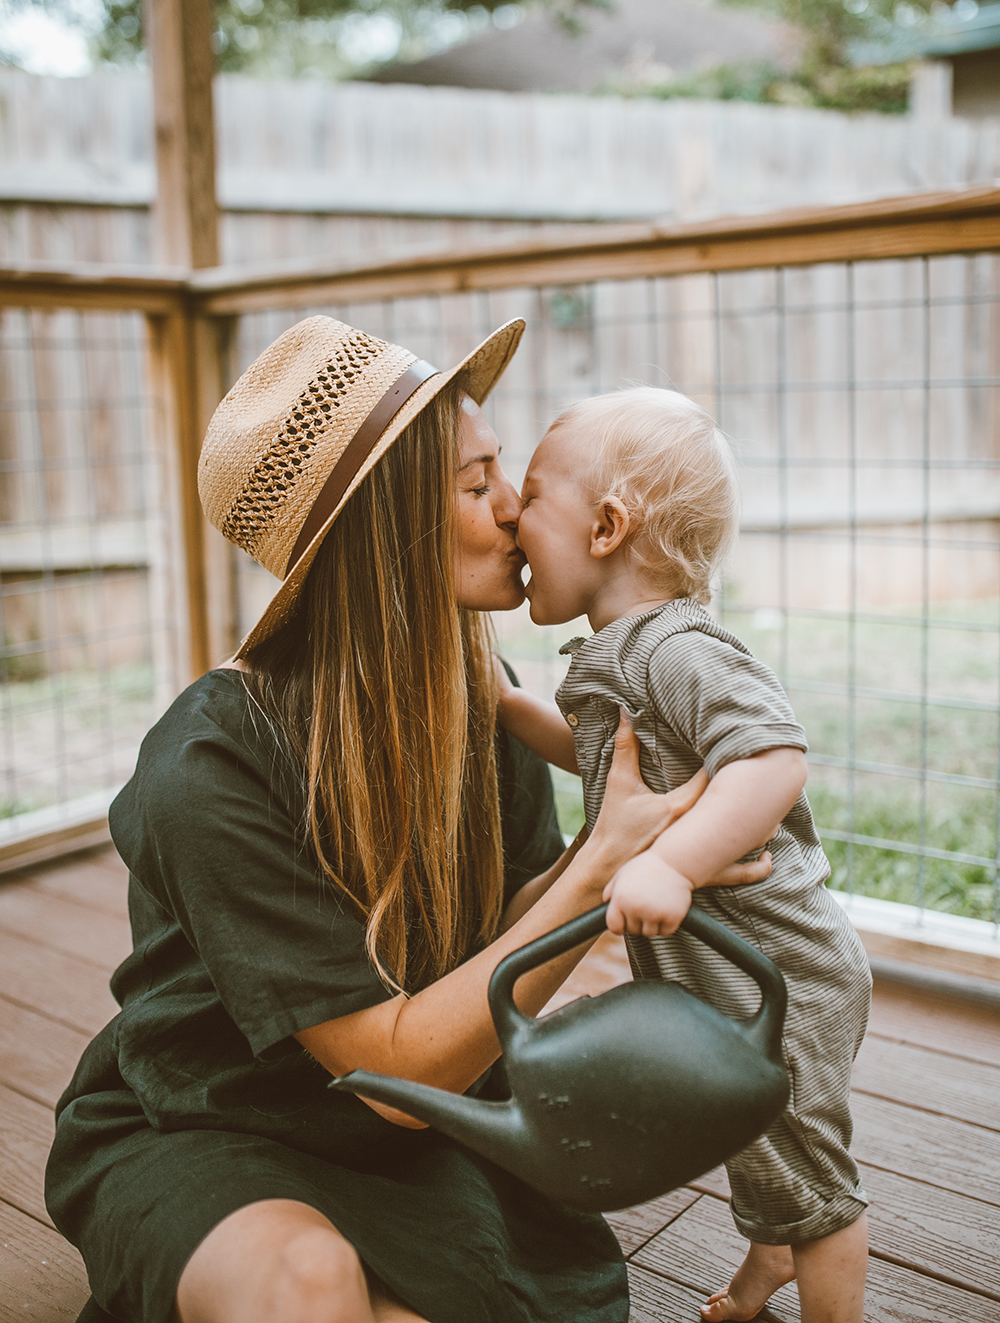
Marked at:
<point>488,564</point>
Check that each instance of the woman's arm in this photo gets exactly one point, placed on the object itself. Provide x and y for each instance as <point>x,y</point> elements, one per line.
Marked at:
<point>537,724</point>
<point>525,897</point>
<point>444,1034</point>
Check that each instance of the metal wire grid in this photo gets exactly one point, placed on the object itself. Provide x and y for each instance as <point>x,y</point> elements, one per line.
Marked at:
<point>80,527</point>
<point>864,403</point>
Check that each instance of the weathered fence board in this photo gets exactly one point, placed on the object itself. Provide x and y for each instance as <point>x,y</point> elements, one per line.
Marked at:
<point>314,169</point>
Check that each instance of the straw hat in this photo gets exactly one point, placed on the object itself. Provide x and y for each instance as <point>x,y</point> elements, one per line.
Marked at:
<point>300,429</point>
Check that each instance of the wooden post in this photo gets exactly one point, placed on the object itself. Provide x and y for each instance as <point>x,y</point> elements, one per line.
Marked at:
<point>187,350</point>
<point>185,213</point>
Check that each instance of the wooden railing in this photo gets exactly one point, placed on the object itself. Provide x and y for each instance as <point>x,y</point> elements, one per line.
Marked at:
<point>919,224</point>
<point>190,318</point>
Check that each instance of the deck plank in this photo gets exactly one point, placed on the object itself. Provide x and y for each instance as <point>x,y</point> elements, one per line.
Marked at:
<point>26,1132</point>
<point>934,1231</point>
<point>701,1250</point>
<point>950,1086</point>
<point>938,1150</point>
<point>42,1278</point>
<point>898,1295</point>
<point>940,1024</point>
<point>714,1182</point>
<point>634,1226</point>
<point>37,1055</point>
<point>658,1300</point>
<point>72,991</point>
<point>98,880</point>
<point>926,1080</point>
<point>76,930</point>
<point>931,1230</point>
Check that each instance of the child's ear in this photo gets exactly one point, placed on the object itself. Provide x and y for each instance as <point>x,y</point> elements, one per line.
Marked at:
<point>610,529</point>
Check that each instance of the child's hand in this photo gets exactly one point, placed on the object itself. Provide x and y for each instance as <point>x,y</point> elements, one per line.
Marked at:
<point>648,897</point>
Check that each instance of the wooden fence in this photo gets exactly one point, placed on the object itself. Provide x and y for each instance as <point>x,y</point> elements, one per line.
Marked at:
<point>312,170</point>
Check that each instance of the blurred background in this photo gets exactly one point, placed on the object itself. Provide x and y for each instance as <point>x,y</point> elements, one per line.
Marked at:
<point>862,396</point>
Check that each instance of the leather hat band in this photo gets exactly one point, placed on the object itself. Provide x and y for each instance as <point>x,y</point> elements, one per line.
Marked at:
<point>358,449</point>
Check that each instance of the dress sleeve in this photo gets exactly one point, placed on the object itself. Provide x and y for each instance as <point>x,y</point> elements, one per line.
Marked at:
<point>216,847</point>
<point>723,703</point>
<point>532,841</point>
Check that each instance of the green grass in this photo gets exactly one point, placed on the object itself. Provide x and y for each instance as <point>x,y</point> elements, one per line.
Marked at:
<point>71,734</point>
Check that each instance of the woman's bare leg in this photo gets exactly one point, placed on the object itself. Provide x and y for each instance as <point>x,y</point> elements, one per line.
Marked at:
<point>279,1261</point>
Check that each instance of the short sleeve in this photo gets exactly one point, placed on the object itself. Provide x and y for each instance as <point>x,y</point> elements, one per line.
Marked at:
<point>213,844</point>
<point>723,703</point>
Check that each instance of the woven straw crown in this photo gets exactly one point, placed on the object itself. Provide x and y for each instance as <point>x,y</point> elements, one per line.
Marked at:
<point>279,434</point>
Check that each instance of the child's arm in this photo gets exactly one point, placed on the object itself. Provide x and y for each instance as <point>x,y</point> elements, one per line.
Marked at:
<point>537,724</point>
<point>739,812</point>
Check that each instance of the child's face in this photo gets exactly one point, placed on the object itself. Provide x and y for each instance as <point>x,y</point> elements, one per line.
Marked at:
<point>555,529</point>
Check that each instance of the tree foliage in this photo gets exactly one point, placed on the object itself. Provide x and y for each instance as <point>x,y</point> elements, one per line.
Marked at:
<point>335,38</point>
<point>341,38</point>
<point>823,75</point>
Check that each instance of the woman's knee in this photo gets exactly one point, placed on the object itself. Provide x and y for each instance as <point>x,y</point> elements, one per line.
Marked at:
<point>277,1261</point>
<point>318,1264</point>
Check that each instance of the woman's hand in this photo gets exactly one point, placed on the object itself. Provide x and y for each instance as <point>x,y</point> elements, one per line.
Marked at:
<point>632,816</point>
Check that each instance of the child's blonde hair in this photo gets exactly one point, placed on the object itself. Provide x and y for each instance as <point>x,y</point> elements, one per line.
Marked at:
<point>666,461</point>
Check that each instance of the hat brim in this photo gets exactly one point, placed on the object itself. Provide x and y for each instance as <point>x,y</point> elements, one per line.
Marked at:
<point>483,369</point>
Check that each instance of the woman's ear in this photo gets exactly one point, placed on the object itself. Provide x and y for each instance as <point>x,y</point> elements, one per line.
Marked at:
<point>610,529</point>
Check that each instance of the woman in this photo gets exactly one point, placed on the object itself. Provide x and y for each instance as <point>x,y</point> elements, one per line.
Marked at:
<point>331,848</point>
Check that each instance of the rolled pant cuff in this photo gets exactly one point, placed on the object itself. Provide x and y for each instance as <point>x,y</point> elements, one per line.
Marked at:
<point>842,1211</point>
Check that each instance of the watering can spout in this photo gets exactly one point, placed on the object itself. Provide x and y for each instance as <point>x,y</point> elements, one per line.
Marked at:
<point>493,1128</point>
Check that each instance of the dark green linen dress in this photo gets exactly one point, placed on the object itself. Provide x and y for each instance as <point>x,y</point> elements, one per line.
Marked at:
<point>196,1101</point>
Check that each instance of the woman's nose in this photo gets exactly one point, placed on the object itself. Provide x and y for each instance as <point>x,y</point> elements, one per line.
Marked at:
<point>507,505</point>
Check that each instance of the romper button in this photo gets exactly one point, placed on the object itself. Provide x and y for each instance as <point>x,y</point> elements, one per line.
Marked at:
<point>572,720</point>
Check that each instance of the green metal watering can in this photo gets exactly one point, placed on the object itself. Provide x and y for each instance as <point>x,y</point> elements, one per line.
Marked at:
<point>618,1098</point>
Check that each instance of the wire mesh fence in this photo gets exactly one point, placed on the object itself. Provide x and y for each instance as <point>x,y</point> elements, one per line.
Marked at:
<point>863,401</point>
<point>81,573</point>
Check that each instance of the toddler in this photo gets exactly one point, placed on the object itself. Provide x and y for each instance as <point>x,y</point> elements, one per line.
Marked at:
<point>630,504</point>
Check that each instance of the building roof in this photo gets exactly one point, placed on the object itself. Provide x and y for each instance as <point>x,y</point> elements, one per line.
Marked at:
<point>617,48</point>
<point>964,28</point>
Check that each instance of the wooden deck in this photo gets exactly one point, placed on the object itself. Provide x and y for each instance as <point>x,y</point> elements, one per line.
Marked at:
<point>927,1111</point>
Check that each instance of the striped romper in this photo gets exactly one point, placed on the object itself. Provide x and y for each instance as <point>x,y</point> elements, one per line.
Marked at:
<point>696,697</point>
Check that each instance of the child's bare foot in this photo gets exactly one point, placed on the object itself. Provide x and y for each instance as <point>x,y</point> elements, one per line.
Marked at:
<point>764,1269</point>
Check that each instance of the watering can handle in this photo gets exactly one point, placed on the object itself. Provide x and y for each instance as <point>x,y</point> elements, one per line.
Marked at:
<point>763,1029</point>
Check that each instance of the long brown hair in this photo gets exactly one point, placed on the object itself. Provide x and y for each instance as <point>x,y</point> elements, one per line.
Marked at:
<point>383,691</point>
